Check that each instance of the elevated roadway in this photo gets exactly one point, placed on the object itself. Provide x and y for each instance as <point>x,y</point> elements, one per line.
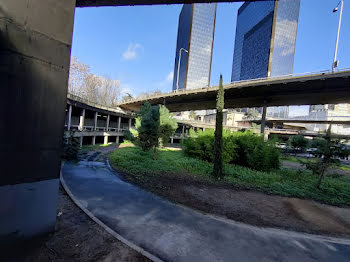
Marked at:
<point>310,89</point>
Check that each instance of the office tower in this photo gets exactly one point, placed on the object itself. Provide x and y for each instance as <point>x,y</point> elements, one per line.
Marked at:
<point>265,42</point>
<point>195,46</point>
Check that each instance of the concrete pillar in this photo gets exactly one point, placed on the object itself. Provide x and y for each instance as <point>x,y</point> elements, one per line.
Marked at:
<point>81,141</point>
<point>119,123</point>
<point>130,123</point>
<point>36,39</point>
<point>81,120</point>
<point>93,140</point>
<point>95,121</point>
<point>266,136</point>
<point>107,122</point>
<point>172,140</point>
<point>105,140</point>
<point>117,140</point>
<point>263,119</point>
<point>183,130</point>
<point>69,117</point>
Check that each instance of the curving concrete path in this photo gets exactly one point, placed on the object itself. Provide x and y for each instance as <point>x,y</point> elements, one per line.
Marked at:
<point>171,232</point>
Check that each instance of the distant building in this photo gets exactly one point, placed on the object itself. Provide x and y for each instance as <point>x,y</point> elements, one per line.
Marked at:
<point>195,39</point>
<point>265,42</point>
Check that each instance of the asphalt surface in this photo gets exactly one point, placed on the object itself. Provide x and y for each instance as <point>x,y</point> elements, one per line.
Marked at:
<point>175,233</point>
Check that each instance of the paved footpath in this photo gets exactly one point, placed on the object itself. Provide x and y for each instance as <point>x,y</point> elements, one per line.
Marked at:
<point>174,233</point>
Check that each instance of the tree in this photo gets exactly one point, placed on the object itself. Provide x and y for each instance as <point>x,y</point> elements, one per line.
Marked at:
<point>218,163</point>
<point>328,150</point>
<point>192,115</point>
<point>252,114</point>
<point>98,89</point>
<point>298,143</point>
<point>154,126</point>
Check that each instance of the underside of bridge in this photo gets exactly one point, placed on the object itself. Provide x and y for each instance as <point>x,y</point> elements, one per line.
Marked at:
<point>306,90</point>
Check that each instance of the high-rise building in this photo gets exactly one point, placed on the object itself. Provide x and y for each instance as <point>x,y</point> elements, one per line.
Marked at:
<point>195,39</point>
<point>265,42</point>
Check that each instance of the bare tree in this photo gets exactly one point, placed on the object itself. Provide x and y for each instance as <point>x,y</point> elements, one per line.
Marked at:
<point>99,89</point>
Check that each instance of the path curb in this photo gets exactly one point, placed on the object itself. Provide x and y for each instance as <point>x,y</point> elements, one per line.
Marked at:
<point>105,227</point>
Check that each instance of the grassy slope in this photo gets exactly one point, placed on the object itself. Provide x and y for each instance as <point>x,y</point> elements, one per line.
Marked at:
<point>297,159</point>
<point>285,182</point>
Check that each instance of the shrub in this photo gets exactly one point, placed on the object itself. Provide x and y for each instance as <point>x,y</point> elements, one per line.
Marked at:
<point>239,148</point>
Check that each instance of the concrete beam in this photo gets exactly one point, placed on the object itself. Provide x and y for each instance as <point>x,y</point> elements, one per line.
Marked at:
<point>324,88</point>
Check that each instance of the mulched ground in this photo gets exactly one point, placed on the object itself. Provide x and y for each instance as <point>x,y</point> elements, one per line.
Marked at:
<point>76,238</point>
<point>247,206</point>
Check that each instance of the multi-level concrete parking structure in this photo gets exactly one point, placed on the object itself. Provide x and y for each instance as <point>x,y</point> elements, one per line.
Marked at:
<point>265,42</point>
<point>194,46</point>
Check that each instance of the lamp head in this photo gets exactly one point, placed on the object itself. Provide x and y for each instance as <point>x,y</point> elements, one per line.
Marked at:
<point>335,9</point>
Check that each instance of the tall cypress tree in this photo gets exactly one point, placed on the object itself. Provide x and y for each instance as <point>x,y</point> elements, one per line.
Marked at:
<point>218,164</point>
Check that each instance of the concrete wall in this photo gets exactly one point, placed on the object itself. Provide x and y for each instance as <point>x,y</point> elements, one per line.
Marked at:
<point>35,44</point>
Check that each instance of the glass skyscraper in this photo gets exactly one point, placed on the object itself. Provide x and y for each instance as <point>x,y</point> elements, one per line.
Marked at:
<point>265,42</point>
<point>195,39</point>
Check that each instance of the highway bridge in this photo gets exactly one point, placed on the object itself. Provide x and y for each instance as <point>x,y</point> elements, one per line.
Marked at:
<point>308,89</point>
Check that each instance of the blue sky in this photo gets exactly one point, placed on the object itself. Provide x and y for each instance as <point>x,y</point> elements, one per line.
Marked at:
<point>136,45</point>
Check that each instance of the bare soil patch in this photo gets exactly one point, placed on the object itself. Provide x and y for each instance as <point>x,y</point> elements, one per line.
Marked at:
<point>247,206</point>
<point>76,238</point>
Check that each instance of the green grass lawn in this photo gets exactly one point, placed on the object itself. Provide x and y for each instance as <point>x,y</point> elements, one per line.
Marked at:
<point>92,147</point>
<point>297,159</point>
<point>285,182</point>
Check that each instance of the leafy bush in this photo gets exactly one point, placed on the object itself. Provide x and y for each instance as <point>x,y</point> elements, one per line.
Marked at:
<point>239,148</point>
<point>71,146</point>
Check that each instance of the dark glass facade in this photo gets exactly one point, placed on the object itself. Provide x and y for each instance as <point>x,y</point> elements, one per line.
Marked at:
<point>195,34</point>
<point>265,42</point>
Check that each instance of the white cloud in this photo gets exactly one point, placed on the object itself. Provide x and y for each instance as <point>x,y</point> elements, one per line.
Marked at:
<point>170,77</point>
<point>166,82</point>
<point>132,52</point>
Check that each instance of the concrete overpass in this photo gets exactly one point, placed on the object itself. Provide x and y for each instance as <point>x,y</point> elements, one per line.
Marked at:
<point>317,88</point>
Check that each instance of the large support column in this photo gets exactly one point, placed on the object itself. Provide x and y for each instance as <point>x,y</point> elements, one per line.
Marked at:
<point>81,141</point>
<point>119,123</point>
<point>81,120</point>
<point>183,130</point>
<point>35,39</point>
<point>107,122</point>
<point>69,117</point>
<point>117,140</point>
<point>105,140</point>
<point>263,120</point>
<point>95,121</point>
<point>130,123</point>
<point>93,140</point>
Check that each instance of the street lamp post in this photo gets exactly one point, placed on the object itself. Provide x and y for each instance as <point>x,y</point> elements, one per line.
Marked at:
<point>335,61</point>
<point>178,67</point>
